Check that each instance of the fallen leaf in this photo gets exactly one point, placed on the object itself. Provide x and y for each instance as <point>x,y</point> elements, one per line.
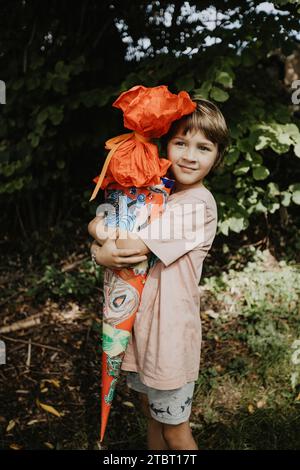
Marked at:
<point>49,445</point>
<point>212,314</point>
<point>251,409</point>
<point>33,421</point>
<point>128,404</point>
<point>15,447</point>
<point>10,425</point>
<point>261,403</point>
<point>54,382</point>
<point>49,409</point>
<point>195,425</point>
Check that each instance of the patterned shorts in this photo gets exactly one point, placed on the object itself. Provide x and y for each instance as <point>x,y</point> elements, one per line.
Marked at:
<point>166,406</point>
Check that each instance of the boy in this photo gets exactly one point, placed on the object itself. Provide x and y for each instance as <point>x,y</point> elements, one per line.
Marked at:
<point>163,355</point>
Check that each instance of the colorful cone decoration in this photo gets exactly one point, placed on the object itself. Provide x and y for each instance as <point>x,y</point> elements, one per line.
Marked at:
<point>133,177</point>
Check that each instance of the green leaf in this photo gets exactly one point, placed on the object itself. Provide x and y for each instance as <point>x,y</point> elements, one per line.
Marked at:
<point>260,172</point>
<point>285,139</point>
<point>297,150</point>
<point>273,189</point>
<point>203,91</point>
<point>296,197</point>
<point>60,164</point>
<point>56,115</point>
<point>278,136</point>
<point>236,224</point>
<point>293,131</point>
<point>232,156</point>
<point>34,138</point>
<point>42,116</point>
<point>286,198</point>
<point>219,95</point>
<point>37,63</point>
<point>260,207</point>
<point>263,142</point>
<point>242,168</point>
<point>295,190</point>
<point>19,184</point>
<point>278,147</point>
<point>59,66</point>
<point>244,145</point>
<point>273,207</point>
<point>254,157</point>
<point>224,78</point>
<point>224,227</point>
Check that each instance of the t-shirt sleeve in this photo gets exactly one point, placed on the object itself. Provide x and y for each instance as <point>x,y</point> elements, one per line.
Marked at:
<point>179,229</point>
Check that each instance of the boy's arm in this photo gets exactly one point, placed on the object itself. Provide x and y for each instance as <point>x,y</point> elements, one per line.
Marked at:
<point>131,240</point>
<point>114,258</point>
<point>108,253</point>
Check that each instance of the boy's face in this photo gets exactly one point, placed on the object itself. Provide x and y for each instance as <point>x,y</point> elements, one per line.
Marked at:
<point>192,156</point>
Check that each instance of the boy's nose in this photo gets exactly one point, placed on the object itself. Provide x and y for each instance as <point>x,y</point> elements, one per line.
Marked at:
<point>189,156</point>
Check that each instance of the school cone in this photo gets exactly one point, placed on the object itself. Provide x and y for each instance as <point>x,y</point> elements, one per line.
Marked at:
<point>122,293</point>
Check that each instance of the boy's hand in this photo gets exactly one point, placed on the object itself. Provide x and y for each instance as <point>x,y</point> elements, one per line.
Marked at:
<point>100,232</point>
<point>115,258</point>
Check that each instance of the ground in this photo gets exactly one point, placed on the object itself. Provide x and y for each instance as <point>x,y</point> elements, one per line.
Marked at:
<point>50,386</point>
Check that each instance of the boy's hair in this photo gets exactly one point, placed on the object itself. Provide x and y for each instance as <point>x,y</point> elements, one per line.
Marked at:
<point>208,119</point>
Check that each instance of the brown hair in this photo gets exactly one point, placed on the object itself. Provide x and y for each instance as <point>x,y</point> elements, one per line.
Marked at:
<point>206,118</point>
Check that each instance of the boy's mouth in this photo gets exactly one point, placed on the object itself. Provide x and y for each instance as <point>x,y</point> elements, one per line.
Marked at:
<point>186,169</point>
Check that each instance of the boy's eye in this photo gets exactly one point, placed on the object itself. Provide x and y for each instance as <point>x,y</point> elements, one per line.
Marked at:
<point>200,147</point>
<point>179,143</point>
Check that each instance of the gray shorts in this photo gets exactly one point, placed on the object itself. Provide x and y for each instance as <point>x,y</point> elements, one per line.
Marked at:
<point>166,406</point>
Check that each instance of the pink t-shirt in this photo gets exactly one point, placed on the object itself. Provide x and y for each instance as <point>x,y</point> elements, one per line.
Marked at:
<point>165,345</point>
